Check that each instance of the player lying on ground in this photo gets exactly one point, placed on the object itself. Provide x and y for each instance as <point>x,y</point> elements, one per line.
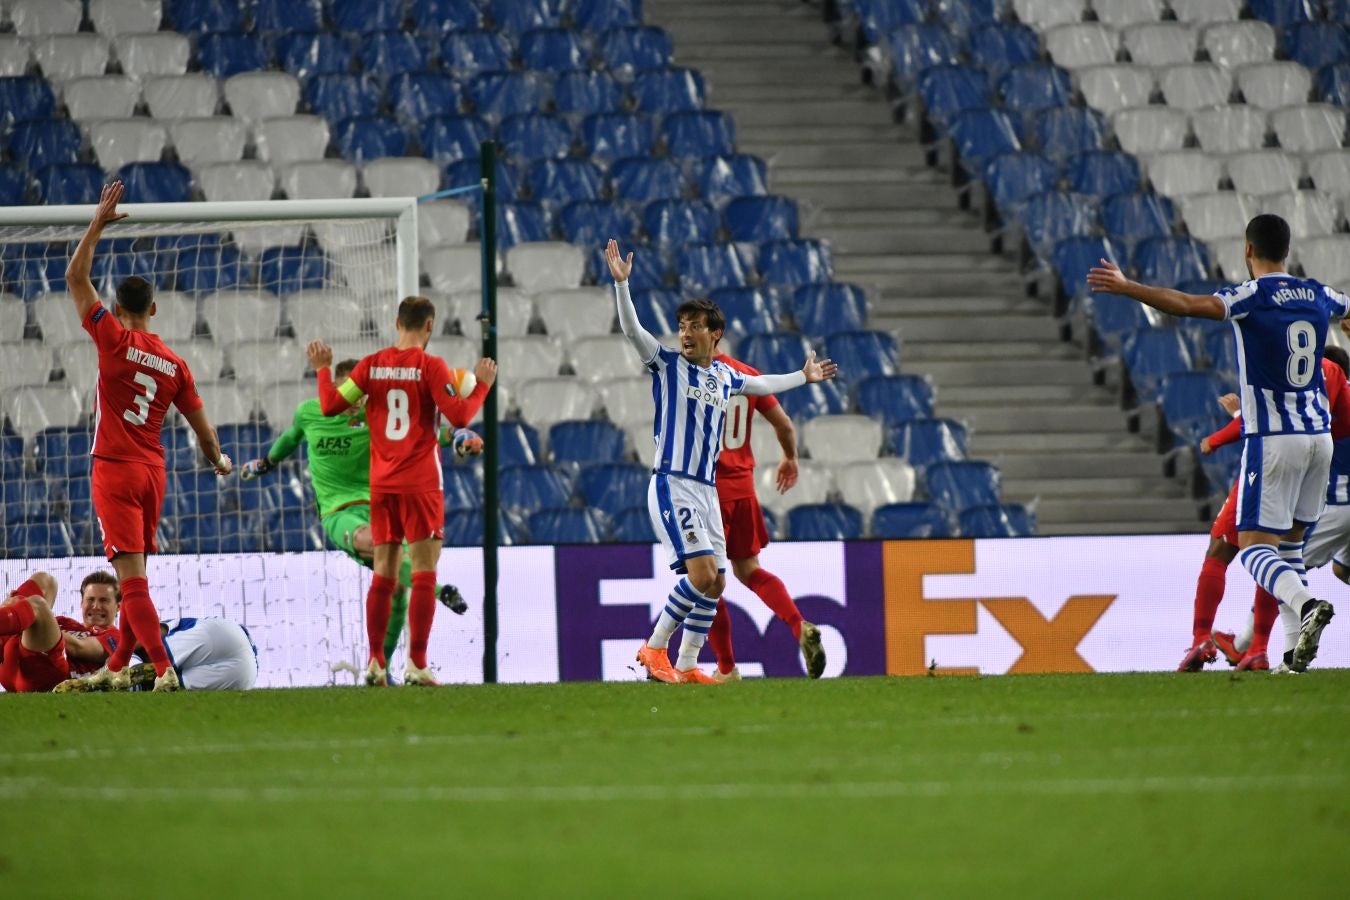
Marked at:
<point>138,377</point>
<point>1280,325</point>
<point>209,654</point>
<point>406,386</point>
<point>339,470</point>
<point>743,524</point>
<point>691,391</point>
<point>39,650</point>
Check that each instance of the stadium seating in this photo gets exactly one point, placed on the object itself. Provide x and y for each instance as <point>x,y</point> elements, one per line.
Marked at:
<point>910,520</point>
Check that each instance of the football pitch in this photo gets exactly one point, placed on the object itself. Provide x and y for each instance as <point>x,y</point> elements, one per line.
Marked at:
<point>1028,786</point>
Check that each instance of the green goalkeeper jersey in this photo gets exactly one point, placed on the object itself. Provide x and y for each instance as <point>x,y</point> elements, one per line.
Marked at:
<point>339,454</point>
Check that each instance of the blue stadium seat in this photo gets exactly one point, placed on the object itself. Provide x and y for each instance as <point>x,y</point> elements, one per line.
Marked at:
<point>669,90</point>
<point>363,17</point>
<point>34,275</point>
<point>462,488</point>
<point>519,16</point>
<point>963,16</point>
<point>996,521</point>
<point>656,309</point>
<point>28,500</point>
<point>418,96</point>
<point>1069,130</point>
<point>452,139</point>
<point>1221,467</point>
<point>11,454</point>
<point>110,269</point>
<point>699,133</point>
<point>585,93</point>
<point>1280,13</point>
<point>639,179</point>
<point>826,398</point>
<point>737,175</point>
<point>824,522</point>
<point>61,185</point>
<point>464,528</point>
<point>795,262</point>
<point>151,182</point>
<point>1317,44</point>
<point>946,90</point>
<point>774,353</point>
<point>649,267</point>
<point>706,267</point>
<point>204,16</point>
<point>961,485</point>
<point>521,223</point>
<point>25,97</point>
<point>1113,318</point>
<point>286,270</point>
<point>1102,173</point>
<point>45,142</point>
<point>363,138</point>
<point>862,354</point>
<point>1073,257</point>
<point>607,137</point>
<point>910,520</point>
<point>533,136</point>
<point>1190,404</point>
<point>822,308</point>
<point>41,540</point>
<point>568,526</point>
<point>204,270</point>
<point>552,50</point>
<point>468,53</point>
<point>981,134</point>
<point>895,398</point>
<point>558,182</point>
<point>627,51</point>
<point>435,16</point>
<point>1134,217</point>
<point>878,18</point>
<point>1034,87</point>
<point>244,440</point>
<point>306,54</point>
<point>288,531</point>
<point>917,47</point>
<point>469,171</point>
<point>754,219</point>
<point>79,500</point>
<point>1168,261</point>
<point>598,15</point>
<point>748,310</point>
<point>1151,355</point>
<point>223,55</point>
<point>592,222</point>
<point>1013,178</point>
<point>584,442</point>
<point>1221,351</point>
<point>258,494</point>
<point>924,442</point>
<point>496,95</point>
<point>389,53</point>
<point>286,15</point>
<point>1053,216</point>
<point>519,444</point>
<point>63,452</point>
<point>614,487</point>
<point>673,223</point>
<point>524,489</point>
<point>180,449</point>
<point>1333,84</point>
<point>195,493</point>
<point>338,97</point>
<point>1003,46</point>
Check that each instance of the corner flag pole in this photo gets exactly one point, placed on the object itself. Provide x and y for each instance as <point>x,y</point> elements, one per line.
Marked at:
<point>491,456</point>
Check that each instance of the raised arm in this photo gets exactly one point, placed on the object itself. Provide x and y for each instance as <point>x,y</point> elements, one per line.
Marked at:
<point>811,372</point>
<point>1108,279</point>
<point>461,410</point>
<point>77,271</point>
<point>332,399</point>
<point>787,439</point>
<point>642,340</point>
<point>207,440</point>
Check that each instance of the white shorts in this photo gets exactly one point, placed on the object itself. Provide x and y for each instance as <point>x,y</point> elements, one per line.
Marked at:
<point>688,518</point>
<point>212,654</point>
<point>1283,480</point>
<point>1330,539</point>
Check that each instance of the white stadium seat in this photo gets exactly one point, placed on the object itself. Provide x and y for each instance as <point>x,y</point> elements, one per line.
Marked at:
<point>1043,14</point>
<point>530,356</point>
<point>227,403</point>
<point>330,315</point>
<point>255,96</point>
<point>763,439</point>
<point>457,351</point>
<point>1309,213</point>
<point>154,53</point>
<point>16,54</point>
<point>629,400</point>
<point>455,268</point>
<point>842,438</point>
<point>204,359</point>
<point>1205,11</point>
<point>1161,44</point>
<point>1330,172</point>
<point>356,348</point>
<point>65,56</point>
<point>1327,259</point>
<point>1150,129</point>
<point>291,139</point>
<point>546,266</point>
<point>40,17</point>
<point>1195,85</point>
<point>463,307</point>
<point>1264,171</point>
<point>1229,254</point>
<point>175,317</point>
<point>278,399</point>
<point>1181,172</point>
<point>1233,44</point>
<point>544,401</point>
<point>576,313</point>
<point>603,357</point>
<point>1217,214</point>
<point>867,485</point>
<point>192,96</point>
<point>79,364</point>
<point>1115,87</point>
<point>216,139</point>
<point>31,363</point>
<point>101,97</point>
<point>55,316</point>
<point>113,17</point>
<point>1273,85</point>
<point>32,409</point>
<point>236,316</point>
<point>118,142</point>
<point>1082,44</point>
<point>1309,129</point>
<point>515,312</point>
<point>1230,128</point>
<point>815,484</point>
<point>442,222</point>
<point>13,319</point>
<point>247,179</point>
<point>274,360</point>
<point>401,177</point>
<point>319,179</point>
<point>1120,13</point>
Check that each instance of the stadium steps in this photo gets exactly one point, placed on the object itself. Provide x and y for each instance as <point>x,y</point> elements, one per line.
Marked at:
<point>895,227</point>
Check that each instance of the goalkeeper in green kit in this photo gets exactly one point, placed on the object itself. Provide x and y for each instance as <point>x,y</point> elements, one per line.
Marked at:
<point>339,468</point>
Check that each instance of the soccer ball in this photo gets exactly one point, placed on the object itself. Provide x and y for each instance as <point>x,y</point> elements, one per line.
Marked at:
<point>462,383</point>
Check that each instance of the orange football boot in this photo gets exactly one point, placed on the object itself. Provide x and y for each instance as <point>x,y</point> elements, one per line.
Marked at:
<point>657,663</point>
<point>1224,641</point>
<point>695,676</point>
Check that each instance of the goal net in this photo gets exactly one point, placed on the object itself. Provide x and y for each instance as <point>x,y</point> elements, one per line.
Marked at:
<point>239,288</point>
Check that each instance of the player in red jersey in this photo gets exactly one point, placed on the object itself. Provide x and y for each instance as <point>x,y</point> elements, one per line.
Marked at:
<point>1223,539</point>
<point>39,650</point>
<point>743,523</point>
<point>406,386</point>
<point>138,377</point>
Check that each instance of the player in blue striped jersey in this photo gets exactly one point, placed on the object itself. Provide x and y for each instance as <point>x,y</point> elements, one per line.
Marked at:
<point>1280,326</point>
<point>690,391</point>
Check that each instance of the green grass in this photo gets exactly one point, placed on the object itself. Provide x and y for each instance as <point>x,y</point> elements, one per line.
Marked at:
<point>1033,786</point>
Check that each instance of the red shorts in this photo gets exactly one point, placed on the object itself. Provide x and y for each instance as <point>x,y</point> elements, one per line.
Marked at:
<point>127,499</point>
<point>414,517</point>
<point>27,671</point>
<point>743,526</point>
<point>1225,523</point>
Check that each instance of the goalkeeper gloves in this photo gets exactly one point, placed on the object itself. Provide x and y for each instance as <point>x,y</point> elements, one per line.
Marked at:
<point>255,467</point>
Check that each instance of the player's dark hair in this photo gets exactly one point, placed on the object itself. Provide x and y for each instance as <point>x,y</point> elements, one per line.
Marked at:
<point>414,312</point>
<point>135,295</point>
<point>1339,357</point>
<point>1269,236</point>
<point>692,309</point>
<point>344,368</point>
<point>99,576</point>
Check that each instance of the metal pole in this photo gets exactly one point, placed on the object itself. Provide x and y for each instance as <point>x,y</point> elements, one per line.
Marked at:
<point>488,320</point>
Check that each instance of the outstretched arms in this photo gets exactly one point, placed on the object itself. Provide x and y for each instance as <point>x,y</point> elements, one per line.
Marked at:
<point>1108,279</point>
<point>811,372</point>
<point>642,340</point>
<point>332,399</point>
<point>77,271</point>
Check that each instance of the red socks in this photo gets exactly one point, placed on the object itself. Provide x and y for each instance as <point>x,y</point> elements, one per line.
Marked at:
<point>719,638</point>
<point>1267,610</point>
<point>139,623</point>
<point>379,601</point>
<point>421,613</point>
<point>17,617</point>
<point>1208,596</point>
<point>770,589</point>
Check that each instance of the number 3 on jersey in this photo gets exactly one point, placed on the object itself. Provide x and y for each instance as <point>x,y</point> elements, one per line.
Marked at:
<point>142,401</point>
<point>1302,339</point>
<point>397,425</point>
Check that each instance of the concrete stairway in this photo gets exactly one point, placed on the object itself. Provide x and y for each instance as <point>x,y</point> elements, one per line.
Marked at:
<point>959,310</point>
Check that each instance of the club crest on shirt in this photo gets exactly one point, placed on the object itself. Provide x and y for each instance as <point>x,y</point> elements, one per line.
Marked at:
<point>691,537</point>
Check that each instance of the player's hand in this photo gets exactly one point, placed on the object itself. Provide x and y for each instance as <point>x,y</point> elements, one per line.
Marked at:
<point>619,267</point>
<point>1205,447</point>
<point>320,355</point>
<point>818,370</point>
<point>1107,278</point>
<point>224,465</point>
<point>787,474</point>
<point>467,442</point>
<point>255,467</point>
<point>107,204</point>
<point>485,371</point>
<point>1230,403</point>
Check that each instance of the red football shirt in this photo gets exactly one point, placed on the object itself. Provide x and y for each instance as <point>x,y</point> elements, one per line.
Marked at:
<point>406,389</point>
<point>102,633</point>
<point>736,464</point>
<point>138,377</point>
